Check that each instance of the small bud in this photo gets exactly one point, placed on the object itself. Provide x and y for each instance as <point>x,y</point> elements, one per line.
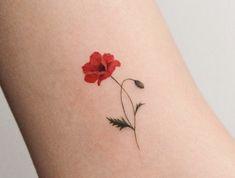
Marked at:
<point>139,84</point>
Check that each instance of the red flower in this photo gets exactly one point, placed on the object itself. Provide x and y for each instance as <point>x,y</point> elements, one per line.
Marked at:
<point>99,67</point>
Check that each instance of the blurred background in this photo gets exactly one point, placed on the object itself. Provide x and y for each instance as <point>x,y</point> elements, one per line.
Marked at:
<point>204,31</point>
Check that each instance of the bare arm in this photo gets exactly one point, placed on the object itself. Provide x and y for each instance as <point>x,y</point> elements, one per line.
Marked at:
<point>44,45</point>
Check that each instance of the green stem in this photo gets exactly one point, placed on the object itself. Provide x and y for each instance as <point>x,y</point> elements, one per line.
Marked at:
<point>133,108</point>
<point>132,104</point>
<point>123,108</point>
<point>136,140</point>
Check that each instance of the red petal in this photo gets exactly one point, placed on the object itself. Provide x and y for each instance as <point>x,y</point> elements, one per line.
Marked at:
<point>88,68</point>
<point>99,81</point>
<point>108,58</point>
<point>103,77</point>
<point>95,58</point>
<point>91,78</point>
<point>113,65</point>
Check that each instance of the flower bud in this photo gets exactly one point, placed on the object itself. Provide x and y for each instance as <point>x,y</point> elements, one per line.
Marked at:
<point>139,84</point>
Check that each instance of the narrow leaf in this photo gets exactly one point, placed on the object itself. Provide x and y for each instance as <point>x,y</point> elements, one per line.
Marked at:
<point>119,123</point>
<point>138,106</point>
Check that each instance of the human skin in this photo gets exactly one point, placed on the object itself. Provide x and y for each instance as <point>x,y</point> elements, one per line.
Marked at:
<point>62,118</point>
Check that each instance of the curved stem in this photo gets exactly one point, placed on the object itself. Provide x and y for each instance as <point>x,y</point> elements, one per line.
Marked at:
<point>136,140</point>
<point>132,104</point>
<point>133,108</point>
<point>123,108</point>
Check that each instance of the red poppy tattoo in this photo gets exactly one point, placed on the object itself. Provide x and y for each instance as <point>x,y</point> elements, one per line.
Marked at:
<point>101,67</point>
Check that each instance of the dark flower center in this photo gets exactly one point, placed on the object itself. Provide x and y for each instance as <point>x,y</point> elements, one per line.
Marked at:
<point>101,68</point>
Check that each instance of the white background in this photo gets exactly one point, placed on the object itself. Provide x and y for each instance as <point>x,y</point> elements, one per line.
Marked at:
<point>204,31</point>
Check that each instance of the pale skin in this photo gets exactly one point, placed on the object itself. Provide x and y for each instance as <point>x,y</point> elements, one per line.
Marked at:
<point>62,118</point>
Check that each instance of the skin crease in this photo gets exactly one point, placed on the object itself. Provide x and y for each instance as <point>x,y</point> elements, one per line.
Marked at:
<point>62,118</point>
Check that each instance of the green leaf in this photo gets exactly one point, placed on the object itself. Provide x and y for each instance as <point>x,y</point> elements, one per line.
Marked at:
<point>138,107</point>
<point>119,123</point>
